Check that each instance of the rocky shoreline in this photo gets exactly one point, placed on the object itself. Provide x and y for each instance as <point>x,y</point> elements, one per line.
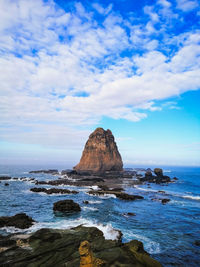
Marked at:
<point>72,248</point>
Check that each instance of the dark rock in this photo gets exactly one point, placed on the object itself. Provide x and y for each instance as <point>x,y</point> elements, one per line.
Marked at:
<point>53,191</point>
<point>20,220</point>
<point>161,191</point>
<point>6,184</point>
<point>175,178</point>
<point>5,177</point>
<point>6,241</point>
<point>67,205</point>
<point>148,174</point>
<point>197,242</point>
<point>158,171</point>
<point>165,200</point>
<point>100,154</point>
<point>131,214</point>
<point>118,194</point>
<point>85,202</point>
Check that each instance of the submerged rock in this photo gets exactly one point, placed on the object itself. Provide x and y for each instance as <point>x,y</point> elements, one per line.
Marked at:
<point>51,247</point>
<point>100,154</point>
<point>53,191</point>
<point>67,205</point>
<point>5,177</point>
<point>118,194</point>
<point>20,220</point>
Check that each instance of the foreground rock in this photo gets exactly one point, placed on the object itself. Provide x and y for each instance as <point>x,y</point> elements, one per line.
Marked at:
<point>67,205</point>
<point>118,194</point>
<point>100,154</point>
<point>20,220</point>
<point>52,191</point>
<point>48,247</point>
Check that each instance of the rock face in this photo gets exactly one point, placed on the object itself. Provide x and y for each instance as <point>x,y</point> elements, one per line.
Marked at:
<point>100,154</point>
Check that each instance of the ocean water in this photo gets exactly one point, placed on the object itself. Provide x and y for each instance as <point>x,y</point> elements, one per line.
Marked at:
<point>168,231</point>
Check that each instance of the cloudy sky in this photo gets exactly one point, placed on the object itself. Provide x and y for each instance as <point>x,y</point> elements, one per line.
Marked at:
<point>67,67</point>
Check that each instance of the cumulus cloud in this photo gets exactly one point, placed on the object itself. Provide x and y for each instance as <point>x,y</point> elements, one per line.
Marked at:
<point>65,69</point>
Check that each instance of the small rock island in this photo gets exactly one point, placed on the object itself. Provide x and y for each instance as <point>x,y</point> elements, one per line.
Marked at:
<point>100,154</point>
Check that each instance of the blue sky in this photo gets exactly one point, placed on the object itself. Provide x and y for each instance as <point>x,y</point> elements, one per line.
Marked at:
<point>68,67</point>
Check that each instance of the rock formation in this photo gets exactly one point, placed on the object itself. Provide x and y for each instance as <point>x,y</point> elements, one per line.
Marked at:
<point>20,220</point>
<point>53,247</point>
<point>100,154</point>
<point>67,205</point>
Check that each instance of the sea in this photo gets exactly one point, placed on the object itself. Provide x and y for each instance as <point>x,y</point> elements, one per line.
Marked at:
<point>170,232</point>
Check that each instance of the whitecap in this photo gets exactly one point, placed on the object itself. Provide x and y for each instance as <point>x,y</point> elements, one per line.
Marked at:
<point>166,170</point>
<point>95,201</point>
<point>94,187</point>
<point>150,246</point>
<point>89,208</point>
<point>108,231</point>
<point>145,189</point>
<point>191,197</point>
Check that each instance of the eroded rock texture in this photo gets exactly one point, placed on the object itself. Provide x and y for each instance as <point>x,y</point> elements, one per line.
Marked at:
<point>100,154</point>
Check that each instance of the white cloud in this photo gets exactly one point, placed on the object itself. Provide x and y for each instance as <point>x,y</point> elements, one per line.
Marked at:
<point>65,70</point>
<point>187,5</point>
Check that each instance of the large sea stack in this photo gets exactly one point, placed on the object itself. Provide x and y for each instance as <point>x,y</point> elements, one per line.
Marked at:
<point>100,154</point>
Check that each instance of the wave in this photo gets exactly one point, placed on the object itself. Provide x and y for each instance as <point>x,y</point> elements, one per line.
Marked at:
<point>95,201</point>
<point>150,246</point>
<point>145,189</point>
<point>166,170</point>
<point>108,231</point>
<point>176,194</point>
<point>89,208</point>
<point>191,197</point>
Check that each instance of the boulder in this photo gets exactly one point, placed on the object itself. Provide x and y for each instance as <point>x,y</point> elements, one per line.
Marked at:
<point>100,154</point>
<point>20,220</point>
<point>165,200</point>
<point>158,171</point>
<point>67,205</point>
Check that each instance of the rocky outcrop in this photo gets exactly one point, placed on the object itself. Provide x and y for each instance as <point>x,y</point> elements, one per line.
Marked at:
<point>51,247</point>
<point>53,191</point>
<point>158,172</point>
<point>5,177</point>
<point>118,194</point>
<point>158,179</point>
<point>20,220</point>
<point>67,205</point>
<point>100,154</point>
<point>86,256</point>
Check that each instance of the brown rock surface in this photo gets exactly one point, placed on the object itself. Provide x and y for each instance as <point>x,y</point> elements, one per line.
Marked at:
<point>100,154</point>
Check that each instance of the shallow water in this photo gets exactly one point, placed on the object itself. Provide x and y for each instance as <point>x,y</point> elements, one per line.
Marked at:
<point>167,231</point>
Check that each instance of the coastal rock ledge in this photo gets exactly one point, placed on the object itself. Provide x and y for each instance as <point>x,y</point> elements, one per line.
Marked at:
<point>77,247</point>
<point>100,154</point>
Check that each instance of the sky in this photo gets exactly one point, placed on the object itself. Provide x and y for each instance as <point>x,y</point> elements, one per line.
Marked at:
<point>68,67</point>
